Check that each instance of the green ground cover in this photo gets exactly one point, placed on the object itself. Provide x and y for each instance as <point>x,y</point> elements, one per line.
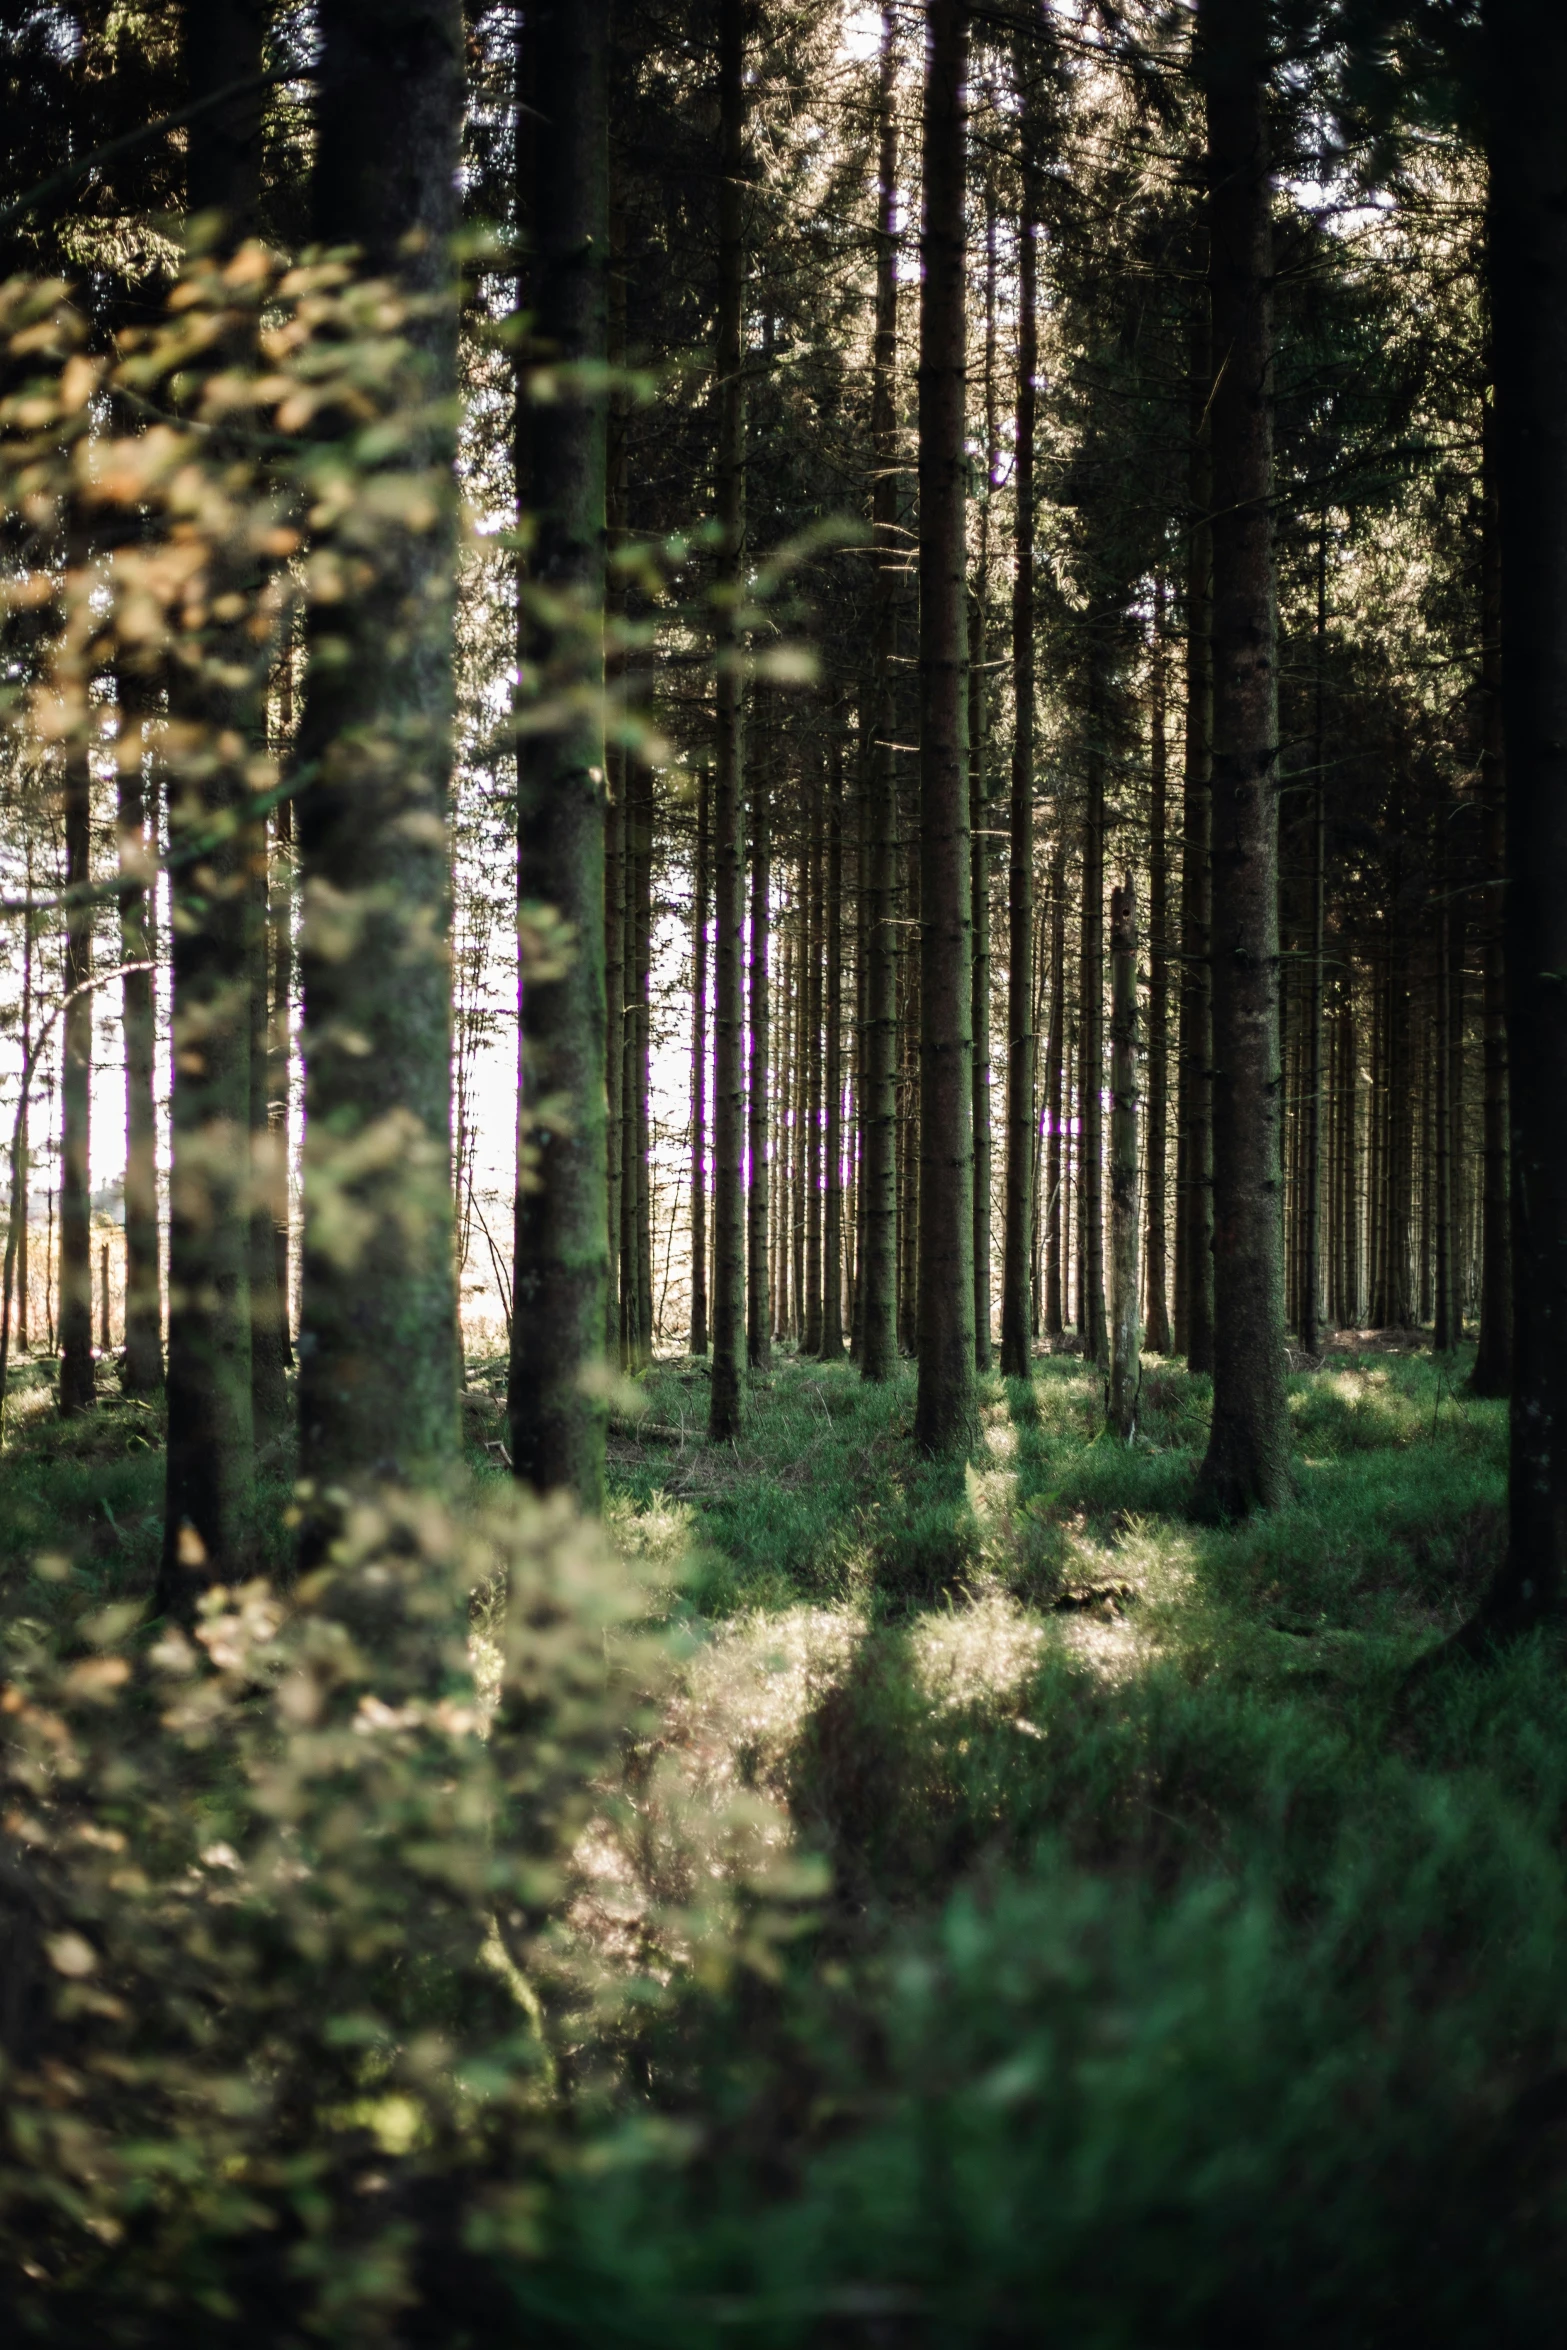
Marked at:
<point>1159,1964</point>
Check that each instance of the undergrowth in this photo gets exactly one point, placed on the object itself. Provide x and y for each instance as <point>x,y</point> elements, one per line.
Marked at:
<point>1173,1970</point>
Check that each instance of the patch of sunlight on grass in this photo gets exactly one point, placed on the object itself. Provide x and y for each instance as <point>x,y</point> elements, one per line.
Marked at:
<point>984,1650</point>
<point>659,1532</point>
<point>1131,1585</point>
<point>746,1693</point>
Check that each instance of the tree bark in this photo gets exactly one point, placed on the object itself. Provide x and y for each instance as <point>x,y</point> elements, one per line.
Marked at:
<point>1492,1374</point>
<point>217,959</point>
<point>759,1336</point>
<point>729,1072</point>
<point>945,1407</point>
<point>700,915</point>
<point>1056,1156</point>
<point>1018,1231</point>
<point>378,1369</point>
<point>878,1091</point>
<point>1125,1369</point>
<point>1194,1178</point>
<point>77,1387</point>
<point>141,1372</point>
<point>561,1235</point>
<point>1091,1035</point>
<point>280,1052</point>
<point>1311,1105</point>
<point>1158,1319</point>
<point>1528,273</point>
<point>832,1135</point>
<point>268,1313</point>
<point>1247,1461</point>
<point>811,1092</point>
<point>979,812</point>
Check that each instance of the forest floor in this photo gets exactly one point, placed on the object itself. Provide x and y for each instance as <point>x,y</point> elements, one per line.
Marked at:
<point>1172,1952</point>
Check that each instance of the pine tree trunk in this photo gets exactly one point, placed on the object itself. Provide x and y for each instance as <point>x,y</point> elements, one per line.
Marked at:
<point>1018,1234</point>
<point>728,793</point>
<point>142,1370</point>
<point>1125,1367</point>
<point>280,1053</point>
<point>77,1389</point>
<point>945,1409</point>
<point>1247,1461</point>
<point>1528,274</point>
<point>832,1199</point>
<point>269,1412</point>
<point>617,815</point>
<point>635,1231</point>
<point>699,922</point>
<point>218,975</point>
<point>1091,1040</point>
<point>979,814</point>
<point>1158,1321</point>
<point>1311,1106</point>
<point>21,1173</point>
<point>1194,1184</point>
<point>1399,1311</point>
<point>811,1332</point>
<point>378,1369</point>
<point>1056,1158</point>
<point>800,1154</point>
<point>1443,1335</point>
<point>783,1188</point>
<point>759,1335</point>
<point>614,1030</point>
<point>560,1277</point>
<point>909,1105</point>
<point>878,1091</point>
<point>1492,1374</point>
<point>1454,1013</point>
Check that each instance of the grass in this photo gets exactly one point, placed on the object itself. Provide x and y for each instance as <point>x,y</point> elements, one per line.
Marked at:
<point>1179,1977</point>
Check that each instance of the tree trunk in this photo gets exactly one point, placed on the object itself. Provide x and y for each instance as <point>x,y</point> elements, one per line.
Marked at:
<point>378,1368</point>
<point>878,1090</point>
<point>1311,1106</point>
<point>799,1156</point>
<point>1056,1156</point>
<point>759,1335</point>
<point>77,1390</point>
<point>1492,1374</point>
<point>945,1408</point>
<point>1528,271</point>
<point>268,1310</point>
<point>700,912</point>
<point>1091,1039</point>
<point>811,1332</point>
<point>1194,1182</point>
<point>218,992</point>
<point>979,813</point>
<point>1018,1234</point>
<point>1247,1461</point>
<point>832,1139</point>
<point>1443,1337</point>
<point>142,1370</point>
<point>21,1173</point>
<point>729,1072</point>
<point>635,1205</point>
<point>1158,1323</point>
<point>561,1234</point>
<point>1125,1378</point>
<point>280,1051</point>
<point>617,814</point>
